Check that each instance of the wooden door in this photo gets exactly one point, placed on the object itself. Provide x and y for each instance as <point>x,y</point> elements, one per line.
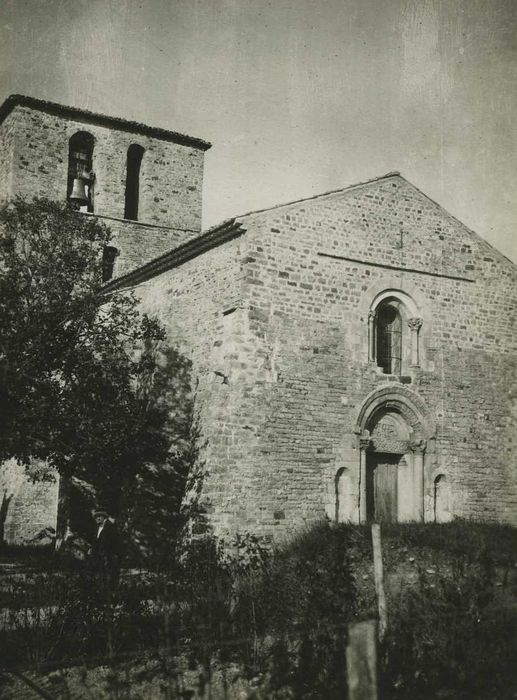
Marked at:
<point>382,501</point>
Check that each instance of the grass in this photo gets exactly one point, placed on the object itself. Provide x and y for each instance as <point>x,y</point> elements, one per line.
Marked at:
<point>452,609</point>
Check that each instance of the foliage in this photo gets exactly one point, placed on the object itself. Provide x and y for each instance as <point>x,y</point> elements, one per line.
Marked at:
<point>155,509</point>
<point>301,597</point>
<point>78,370</point>
<point>274,618</point>
<point>449,638</point>
<point>65,615</point>
<point>460,538</point>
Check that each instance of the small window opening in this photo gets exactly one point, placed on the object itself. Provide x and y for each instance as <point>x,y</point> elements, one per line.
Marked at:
<point>80,174</point>
<point>441,499</point>
<point>108,262</point>
<point>134,161</point>
<point>389,339</point>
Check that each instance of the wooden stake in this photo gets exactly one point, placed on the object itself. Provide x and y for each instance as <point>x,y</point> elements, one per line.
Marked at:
<point>379,580</point>
<point>361,661</point>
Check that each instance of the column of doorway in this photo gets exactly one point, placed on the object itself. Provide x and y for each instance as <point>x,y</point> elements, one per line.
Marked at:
<point>364,444</point>
<point>418,449</point>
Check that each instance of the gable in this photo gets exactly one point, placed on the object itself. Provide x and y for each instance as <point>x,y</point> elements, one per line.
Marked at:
<point>386,222</point>
<point>327,258</point>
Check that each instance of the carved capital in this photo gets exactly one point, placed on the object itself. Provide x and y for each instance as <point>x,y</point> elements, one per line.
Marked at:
<point>414,323</point>
<point>371,316</point>
<point>418,446</point>
<point>364,443</point>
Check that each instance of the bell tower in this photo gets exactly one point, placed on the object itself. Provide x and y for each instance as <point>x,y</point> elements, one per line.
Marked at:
<point>144,182</point>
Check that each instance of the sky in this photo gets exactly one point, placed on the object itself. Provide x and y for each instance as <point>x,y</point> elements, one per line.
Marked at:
<point>297,97</point>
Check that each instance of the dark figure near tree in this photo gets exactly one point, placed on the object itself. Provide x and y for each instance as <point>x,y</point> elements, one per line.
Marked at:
<point>105,552</point>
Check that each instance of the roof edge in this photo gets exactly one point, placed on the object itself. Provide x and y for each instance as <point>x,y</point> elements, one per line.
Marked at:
<point>387,176</point>
<point>471,231</point>
<point>233,228</point>
<point>212,238</point>
<point>89,117</point>
<point>329,193</point>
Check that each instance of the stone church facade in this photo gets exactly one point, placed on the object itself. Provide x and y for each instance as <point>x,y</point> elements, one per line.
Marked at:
<point>354,353</point>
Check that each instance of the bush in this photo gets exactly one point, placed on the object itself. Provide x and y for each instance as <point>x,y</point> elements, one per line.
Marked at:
<point>277,617</point>
<point>26,555</point>
<point>296,603</point>
<point>449,637</point>
<point>459,538</point>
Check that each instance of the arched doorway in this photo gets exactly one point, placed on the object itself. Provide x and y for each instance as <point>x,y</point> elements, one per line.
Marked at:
<point>385,460</point>
<point>393,429</point>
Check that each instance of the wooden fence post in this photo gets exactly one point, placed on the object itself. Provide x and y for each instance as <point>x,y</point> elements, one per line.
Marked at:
<point>361,661</point>
<point>379,580</point>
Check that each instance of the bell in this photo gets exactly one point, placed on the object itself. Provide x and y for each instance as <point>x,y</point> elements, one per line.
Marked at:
<point>78,194</point>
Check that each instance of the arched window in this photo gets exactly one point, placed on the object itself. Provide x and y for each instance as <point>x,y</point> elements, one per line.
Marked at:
<point>394,323</point>
<point>134,161</point>
<point>80,175</point>
<point>108,262</point>
<point>388,336</point>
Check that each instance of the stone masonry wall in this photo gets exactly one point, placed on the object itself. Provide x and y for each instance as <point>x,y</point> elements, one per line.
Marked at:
<point>31,506</point>
<point>315,309</point>
<point>200,303</point>
<point>139,242</point>
<point>7,131</point>
<point>292,361</point>
<point>170,179</point>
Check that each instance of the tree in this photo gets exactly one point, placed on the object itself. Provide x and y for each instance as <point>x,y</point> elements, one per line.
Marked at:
<point>78,370</point>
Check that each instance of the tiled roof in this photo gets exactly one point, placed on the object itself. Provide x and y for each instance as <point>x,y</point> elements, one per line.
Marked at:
<point>88,117</point>
<point>213,237</point>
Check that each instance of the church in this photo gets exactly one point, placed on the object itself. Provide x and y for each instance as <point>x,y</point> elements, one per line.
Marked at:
<point>354,353</point>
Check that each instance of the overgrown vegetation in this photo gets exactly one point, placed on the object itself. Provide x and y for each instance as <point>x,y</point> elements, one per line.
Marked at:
<point>452,595</point>
<point>274,620</point>
<point>86,386</point>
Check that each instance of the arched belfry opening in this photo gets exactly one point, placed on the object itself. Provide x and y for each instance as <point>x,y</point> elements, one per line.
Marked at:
<point>135,153</point>
<point>80,179</point>
<point>394,435</point>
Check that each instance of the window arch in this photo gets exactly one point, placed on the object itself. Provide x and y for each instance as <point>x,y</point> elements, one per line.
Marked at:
<point>393,327</point>
<point>388,332</point>
<point>80,173</point>
<point>135,154</point>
